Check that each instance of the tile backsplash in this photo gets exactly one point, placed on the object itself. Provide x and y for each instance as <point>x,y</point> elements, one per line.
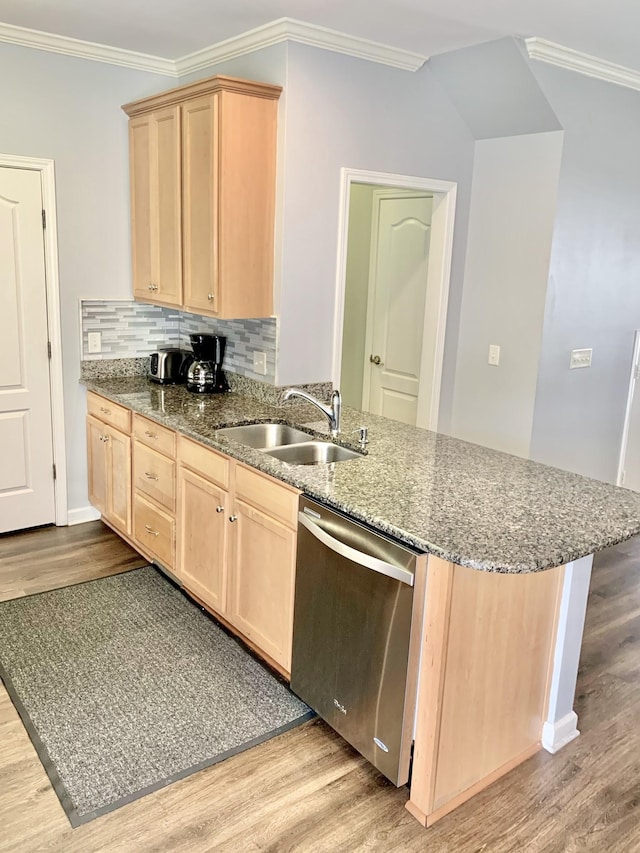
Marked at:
<point>134,330</point>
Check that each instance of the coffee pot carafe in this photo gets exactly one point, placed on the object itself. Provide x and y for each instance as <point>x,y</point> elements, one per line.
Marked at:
<point>205,375</point>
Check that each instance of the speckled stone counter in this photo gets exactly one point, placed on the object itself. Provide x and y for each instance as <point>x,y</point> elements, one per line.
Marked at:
<point>465,503</point>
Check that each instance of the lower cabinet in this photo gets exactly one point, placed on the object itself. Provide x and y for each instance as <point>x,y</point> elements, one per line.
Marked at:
<point>225,530</point>
<point>260,602</point>
<point>109,452</point>
<point>236,543</point>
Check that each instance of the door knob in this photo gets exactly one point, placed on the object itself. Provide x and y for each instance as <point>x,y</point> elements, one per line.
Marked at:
<point>375,359</point>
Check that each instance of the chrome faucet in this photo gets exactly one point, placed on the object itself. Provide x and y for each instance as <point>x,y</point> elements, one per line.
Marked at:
<point>332,412</point>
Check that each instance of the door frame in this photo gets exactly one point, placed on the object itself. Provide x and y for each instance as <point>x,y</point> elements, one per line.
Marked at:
<point>378,196</point>
<point>438,273</point>
<point>633,380</point>
<point>46,169</point>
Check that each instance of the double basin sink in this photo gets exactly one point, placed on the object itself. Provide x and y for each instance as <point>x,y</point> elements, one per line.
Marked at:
<point>288,444</point>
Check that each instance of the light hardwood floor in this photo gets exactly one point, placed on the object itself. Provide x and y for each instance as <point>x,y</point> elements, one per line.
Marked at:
<point>308,791</point>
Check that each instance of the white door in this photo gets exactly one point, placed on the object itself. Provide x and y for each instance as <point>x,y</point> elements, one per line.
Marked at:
<point>26,452</point>
<point>397,300</point>
<point>629,466</point>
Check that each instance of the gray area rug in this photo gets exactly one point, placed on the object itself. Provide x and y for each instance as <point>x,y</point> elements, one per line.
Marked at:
<point>125,686</point>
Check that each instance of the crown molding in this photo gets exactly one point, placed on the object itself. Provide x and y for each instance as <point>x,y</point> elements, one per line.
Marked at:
<point>86,49</point>
<point>284,29</point>
<point>289,29</point>
<point>582,63</point>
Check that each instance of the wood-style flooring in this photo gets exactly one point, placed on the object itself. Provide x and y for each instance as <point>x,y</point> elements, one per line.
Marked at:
<point>308,791</point>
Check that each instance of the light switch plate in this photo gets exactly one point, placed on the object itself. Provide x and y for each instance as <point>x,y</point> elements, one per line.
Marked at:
<point>94,342</point>
<point>494,355</point>
<point>260,363</point>
<point>580,358</point>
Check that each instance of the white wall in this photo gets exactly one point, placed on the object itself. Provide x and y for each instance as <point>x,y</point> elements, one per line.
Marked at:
<point>505,280</point>
<point>68,109</point>
<point>356,293</point>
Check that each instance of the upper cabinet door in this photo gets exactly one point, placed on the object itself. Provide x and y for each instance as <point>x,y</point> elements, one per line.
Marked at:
<point>155,206</point>
<point>166,185</point>
<point>203,162</point>
<point>140,147</point>
<point>200,203</point>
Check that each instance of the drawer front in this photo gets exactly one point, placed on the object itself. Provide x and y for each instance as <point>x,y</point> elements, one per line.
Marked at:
<point>154,475</point>
<point>267,494</point>
<point>154,530</point>
<point>153,435</point>
<point>204,461</point>
<point>111,413</point>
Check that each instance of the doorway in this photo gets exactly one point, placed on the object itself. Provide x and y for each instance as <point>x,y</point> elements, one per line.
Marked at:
<point>32,456</point>
<point>394,259</point>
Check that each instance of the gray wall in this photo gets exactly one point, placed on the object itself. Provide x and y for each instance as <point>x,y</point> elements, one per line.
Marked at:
<point>68,109</point>
<point>344,112</point>
<point>594,284</point>
<point>505,281</point>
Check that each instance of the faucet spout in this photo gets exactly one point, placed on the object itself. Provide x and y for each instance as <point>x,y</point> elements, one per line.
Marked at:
<point>332,412</point>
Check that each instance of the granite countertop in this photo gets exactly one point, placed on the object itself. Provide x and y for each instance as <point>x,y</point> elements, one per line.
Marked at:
<point>463,502</point>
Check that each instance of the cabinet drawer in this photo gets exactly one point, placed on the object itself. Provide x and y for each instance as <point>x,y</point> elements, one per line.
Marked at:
<point>154,475</point>
<point>110,413</point>
<point>204,461</point>
<point>267,494</point>
<point>153,435</point>
<point>154,530</point>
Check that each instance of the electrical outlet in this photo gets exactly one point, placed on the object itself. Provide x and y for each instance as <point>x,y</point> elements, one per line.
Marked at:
<point>94,342</point>
<point>260,363</point>
<point>580,358</point>
<point>494,355</point>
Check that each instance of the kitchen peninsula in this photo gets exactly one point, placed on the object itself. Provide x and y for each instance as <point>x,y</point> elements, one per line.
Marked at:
<point>503,587</point>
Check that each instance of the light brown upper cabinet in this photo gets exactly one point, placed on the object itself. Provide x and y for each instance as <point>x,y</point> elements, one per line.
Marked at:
<point>203,161</point>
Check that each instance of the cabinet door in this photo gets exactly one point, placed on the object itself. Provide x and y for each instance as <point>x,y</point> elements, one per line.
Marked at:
<point>200,203</point>
<point>166,192</point>
<point>119,480</point>
<point>201,562</point>
<point>140,154</point>
<point>262,582</point>
<point>154,156</point>
<point>97,464</point>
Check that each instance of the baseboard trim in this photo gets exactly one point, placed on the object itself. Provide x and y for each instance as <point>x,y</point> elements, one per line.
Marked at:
<point>557,735</point>
<point>82,515</point>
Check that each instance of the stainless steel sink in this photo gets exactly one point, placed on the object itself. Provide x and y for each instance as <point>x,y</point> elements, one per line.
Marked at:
<point>265,436</point>
<point>313,453</point>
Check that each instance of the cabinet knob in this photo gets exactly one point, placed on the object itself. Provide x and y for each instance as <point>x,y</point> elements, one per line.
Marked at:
<point>375,359</point>
<point>151,531</point>
<point>105,438</point>
<point>150,434</point>
<point>210,297</point>
<point>219,509</point>
<point>105,411</point>
<point>150,476</point>
<point>233,518</point>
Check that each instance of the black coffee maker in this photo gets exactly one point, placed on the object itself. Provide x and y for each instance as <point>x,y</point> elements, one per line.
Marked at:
<point>205,375</point>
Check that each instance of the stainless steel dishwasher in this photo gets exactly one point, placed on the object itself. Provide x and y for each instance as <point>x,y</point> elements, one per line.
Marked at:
<point>351,635</point>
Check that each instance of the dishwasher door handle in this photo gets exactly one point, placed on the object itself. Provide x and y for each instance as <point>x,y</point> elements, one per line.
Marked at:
<point>355,556</point>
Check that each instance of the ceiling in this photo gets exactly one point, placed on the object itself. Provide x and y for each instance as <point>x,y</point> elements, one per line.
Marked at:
<point>174,28</point>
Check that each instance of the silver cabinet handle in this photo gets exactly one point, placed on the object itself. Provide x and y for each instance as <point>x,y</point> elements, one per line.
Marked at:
<point>106,438</point>
<point>150,476</point>
<point>220,509</point>
<point>153,287</point>
<point>375,359</point>
<point>210,297</point>
<point>233,518</point>
<point>106,411</point>
<point>151,531</point>
<point>355,556</point>
<point>150,434</point>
